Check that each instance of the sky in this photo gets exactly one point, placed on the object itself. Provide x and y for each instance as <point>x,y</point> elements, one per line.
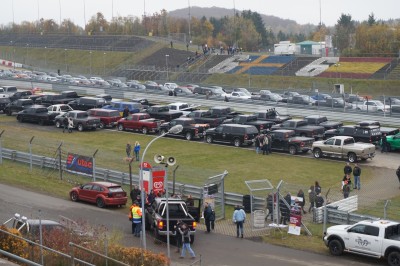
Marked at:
<point>302,11</point>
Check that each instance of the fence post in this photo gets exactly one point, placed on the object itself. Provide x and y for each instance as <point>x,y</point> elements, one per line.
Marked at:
<point>59,161</point>
<point>385,209</point>
<point>1,148</point>
<point>30,154</point>
<point>94,165</point>
<point>72,254</point>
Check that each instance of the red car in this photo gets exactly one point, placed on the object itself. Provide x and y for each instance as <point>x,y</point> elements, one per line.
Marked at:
<point>101,193</point>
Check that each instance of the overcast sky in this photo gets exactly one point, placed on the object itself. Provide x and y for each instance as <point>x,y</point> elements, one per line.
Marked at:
<point>302,11</point>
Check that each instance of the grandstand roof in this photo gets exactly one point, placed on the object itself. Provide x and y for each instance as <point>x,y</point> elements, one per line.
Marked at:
<point>308,43</point>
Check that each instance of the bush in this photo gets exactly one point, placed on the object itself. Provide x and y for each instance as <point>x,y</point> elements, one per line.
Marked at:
<point>12,244</point>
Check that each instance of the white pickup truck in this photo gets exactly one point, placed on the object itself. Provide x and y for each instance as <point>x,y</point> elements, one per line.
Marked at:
<point>183,107</point>
<point>373,238</point>
<point>371,106</point>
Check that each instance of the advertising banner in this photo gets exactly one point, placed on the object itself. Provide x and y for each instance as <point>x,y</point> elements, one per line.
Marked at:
<point>153,178</point>
<point>295,216</point>
<point>158,180</point>
<point>79,163</point>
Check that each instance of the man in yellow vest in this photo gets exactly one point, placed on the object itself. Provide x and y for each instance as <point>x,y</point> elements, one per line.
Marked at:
<point>136,219</point>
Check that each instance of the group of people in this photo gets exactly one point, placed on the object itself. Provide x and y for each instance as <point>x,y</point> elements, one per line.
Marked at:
<point>68,124</point>
<point>263,142</point>
<point>347,184</point>
<point>136,150</point>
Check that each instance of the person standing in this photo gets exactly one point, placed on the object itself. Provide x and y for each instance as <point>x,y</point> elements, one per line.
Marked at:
<point>317,188</point>
<point>269,143</point>
<point>398,173</point>
<point>265,145</point>
<point>300,195</point>
<point>178,235</point>
<point>270,202</point>
<point>347,180</point>
<point>137,218</point>
<point>346,189</point>
<point>65,123</point>
<point>136,149</point>
<point>239,217</point>
<point>384,143</point>
<point>128,149</point>
<point>135,193</point>
<point>184,230</point>
<point>311,198</point>
<point>257,143</point>
<point>319,201</point>
<point>357,174</point>
<point>207,216</point>
<point>70,124</point>
<point>347,169</point>
<point>125,113</point>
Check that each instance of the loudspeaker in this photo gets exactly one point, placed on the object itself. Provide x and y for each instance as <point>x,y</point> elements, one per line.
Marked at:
<point>171,161</point>
<point>158,158</point>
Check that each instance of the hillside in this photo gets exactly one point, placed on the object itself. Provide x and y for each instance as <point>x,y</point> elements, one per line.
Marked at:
<point>275,23</point>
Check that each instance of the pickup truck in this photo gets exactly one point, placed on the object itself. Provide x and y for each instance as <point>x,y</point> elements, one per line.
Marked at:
<point>163,112</point>
<point>183,107</point>
<point>343,147</point>
<point>59,108</point>
<point>272,115</point>
<point>81,120</point>
<point>250,120</point>
<point>50,99</point>
<point>17,106</point>
<point>203,117</point>
<point>367,134</point>
<point>190,129</point>
<point>139,122</point>
<point>36,114</point>
<point>156,215</point>
<point>221,111</point>
<point>286,140</point>
<point>322,121</point>
<point>371,106</point>
<point>372,238</point>
<point>301,128</point>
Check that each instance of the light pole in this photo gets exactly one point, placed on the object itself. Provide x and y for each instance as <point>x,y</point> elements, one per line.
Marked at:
<point>65,59</point>
<point>166,64</point>
<point>90,53</point>
<point>104,63</point>
<point>174,130</point>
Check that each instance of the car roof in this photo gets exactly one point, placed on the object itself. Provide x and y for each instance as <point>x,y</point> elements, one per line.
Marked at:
<point>103,110</point>
<point>283,131</point>
<point>43,222</point>
<point>237,125</point>
<point>105,184</point>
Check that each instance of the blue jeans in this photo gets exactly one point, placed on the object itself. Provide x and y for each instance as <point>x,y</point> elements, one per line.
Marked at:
<point>137,155</point>
<point>138,228</point>
<point>357,183</point>
<point>190,250</point>
<point>239,228</point>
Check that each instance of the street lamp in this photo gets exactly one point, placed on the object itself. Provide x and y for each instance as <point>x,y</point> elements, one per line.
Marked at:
<point>65,59</point>
<point>104,63</point>
<point>173,130</point>
<point>166,63</point>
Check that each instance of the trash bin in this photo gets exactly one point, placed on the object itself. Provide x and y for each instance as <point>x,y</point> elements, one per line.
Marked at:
<point>247,203</point>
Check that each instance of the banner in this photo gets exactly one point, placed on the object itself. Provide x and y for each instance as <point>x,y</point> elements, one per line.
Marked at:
<point>79,163</point>
<point>295,216</point>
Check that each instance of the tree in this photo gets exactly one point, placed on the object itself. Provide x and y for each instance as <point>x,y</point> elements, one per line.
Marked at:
<point>371,19</point>
<point>344,28</point>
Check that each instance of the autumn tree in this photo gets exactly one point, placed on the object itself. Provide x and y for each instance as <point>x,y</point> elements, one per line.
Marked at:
<point>97,24</point>
<point>344,29</point>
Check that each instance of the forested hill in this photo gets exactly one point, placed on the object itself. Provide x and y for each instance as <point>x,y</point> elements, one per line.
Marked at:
<point>275,23</point>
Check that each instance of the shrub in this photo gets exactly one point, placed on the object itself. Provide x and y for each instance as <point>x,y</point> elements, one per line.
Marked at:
<point>12,244</point>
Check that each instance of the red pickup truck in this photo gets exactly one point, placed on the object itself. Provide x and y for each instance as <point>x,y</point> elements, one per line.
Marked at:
<point>140,122</point>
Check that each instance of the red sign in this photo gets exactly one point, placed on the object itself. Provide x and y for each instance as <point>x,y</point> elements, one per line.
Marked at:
<point>158,180</point>
<point>153,179</point>
<point>145,165</point>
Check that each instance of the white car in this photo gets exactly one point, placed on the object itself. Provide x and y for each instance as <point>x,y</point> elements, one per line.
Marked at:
<point>245,91</point>
<point>238,95</point>
<point>59,108</point>
<point>170,86</point>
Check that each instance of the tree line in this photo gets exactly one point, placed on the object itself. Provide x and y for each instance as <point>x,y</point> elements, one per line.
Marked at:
<point>245,30</point>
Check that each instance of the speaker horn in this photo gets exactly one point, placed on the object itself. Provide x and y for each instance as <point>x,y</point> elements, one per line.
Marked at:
<point>171,161</point>
<point>158,158</point>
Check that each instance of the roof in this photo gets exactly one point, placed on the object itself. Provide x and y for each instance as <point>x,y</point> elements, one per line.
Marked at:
<point>380,223</point>
<point>237,125</point>
<point>105,184</point>
<point>308,43</point>
<point>283,131</point>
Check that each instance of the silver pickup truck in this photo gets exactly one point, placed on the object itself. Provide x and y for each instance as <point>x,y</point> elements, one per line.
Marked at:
<point>343,147</point>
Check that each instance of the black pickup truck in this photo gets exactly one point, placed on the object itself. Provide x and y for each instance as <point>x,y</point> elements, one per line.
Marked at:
<point>36,114</point>
<point>163,112</point>
<point>190,130</point>
<point>367,134</point>
<point>221,111</point>
<point>156,217</point>
<point>301,128</point>
<point>271,115</point>
<point>250,120</point>
<point>17,106</point>
<point>322,121</point>
<point>204,117</point>
<point>286,140</point>
<point>63,98</point>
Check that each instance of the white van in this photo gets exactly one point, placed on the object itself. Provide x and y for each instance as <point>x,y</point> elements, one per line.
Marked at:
<point>9,89</point>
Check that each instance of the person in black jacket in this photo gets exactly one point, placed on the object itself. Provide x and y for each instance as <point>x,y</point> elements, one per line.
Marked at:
<point>357,174</point>
<point>125,113</point>
<point>65,124</point>
<point>300,194</point>
<point>347,169</point>
<point>207,216</point>
<point>398,173</point>
<point>284,206</point>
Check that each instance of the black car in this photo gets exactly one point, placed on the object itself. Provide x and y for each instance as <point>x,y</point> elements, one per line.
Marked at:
<point>366,134</point>
<point>4,101</point>
<point>286,140</point>
<point>86,103</point>
<point>232,133</point>
<point>17,106</point>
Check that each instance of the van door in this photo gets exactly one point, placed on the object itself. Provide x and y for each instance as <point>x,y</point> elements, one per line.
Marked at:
<point>365,239</point>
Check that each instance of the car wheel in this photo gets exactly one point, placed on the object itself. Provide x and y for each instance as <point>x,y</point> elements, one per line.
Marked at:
<point>317,153</point>
<point>120,127</point>
<point>100,203</point>
<point>292,150</point>
<point>335,247</point>
<point>237,142</point>
<point>145,130</point>
<point>163,132</point>
<point>74,196</point>
<point>58,124</point>
<point>80,127</point>
<point>188,136</point>
<point>209,139</point>
<point>393,258</point>
<point>352,157</point>
<point>101,125</point>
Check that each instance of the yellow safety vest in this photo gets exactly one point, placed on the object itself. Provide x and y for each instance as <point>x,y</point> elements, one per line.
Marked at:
<point>136,213</point>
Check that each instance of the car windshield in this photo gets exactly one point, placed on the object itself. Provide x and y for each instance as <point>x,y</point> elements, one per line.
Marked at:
<point>82,115</point>
<point>379,103</point>
<point>65,108</point>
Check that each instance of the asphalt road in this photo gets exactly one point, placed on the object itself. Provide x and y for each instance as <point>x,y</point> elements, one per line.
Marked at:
<point>216,249</point>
